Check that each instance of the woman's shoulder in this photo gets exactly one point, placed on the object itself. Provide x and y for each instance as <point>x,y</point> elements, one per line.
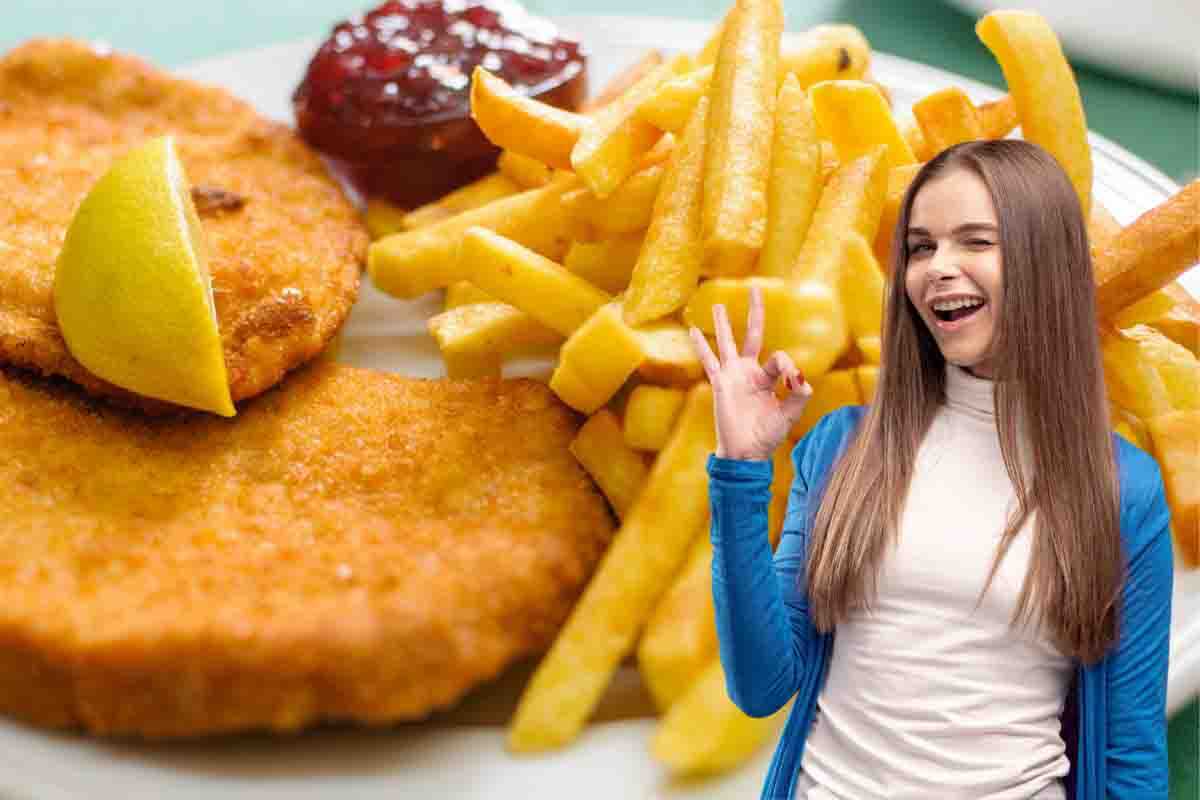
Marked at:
<point>1144,510</point>
<point>817,449</point>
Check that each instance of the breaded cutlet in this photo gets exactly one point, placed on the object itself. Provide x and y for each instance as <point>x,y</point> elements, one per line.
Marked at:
<point>355,545</point>
<point>286,248</point>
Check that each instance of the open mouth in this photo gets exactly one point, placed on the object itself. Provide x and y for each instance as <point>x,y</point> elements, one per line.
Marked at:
<point>958,310</point>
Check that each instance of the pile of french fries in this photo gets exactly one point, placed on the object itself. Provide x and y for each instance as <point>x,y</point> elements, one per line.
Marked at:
<point>606,232</point>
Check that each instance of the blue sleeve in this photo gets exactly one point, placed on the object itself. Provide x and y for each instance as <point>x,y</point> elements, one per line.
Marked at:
<point>763,627</point>
<point>1137,671</point>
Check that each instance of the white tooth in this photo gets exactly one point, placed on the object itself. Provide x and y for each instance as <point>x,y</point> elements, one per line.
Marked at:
<point>950,305</point>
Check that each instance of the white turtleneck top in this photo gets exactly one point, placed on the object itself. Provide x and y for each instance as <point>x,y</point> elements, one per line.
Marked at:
<point>927,696</point>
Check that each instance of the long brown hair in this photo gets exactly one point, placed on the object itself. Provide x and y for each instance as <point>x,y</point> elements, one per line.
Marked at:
<point>1048,378</point>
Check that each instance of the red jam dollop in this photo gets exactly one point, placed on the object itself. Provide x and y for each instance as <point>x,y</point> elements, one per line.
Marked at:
<point>386,96</point>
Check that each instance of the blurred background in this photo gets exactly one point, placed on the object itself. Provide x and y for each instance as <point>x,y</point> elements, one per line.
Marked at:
<point>1137,70</point>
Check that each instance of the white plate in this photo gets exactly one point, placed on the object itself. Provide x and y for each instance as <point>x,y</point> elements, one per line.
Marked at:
<point>1157,44</point>
<point>462,754</point>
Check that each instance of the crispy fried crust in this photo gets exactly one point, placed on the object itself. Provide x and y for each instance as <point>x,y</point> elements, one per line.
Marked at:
<point>285,264</point>
<point>355,545</point>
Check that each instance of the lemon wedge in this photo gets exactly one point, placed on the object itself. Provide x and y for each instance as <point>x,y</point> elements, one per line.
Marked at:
<point>132,290</point>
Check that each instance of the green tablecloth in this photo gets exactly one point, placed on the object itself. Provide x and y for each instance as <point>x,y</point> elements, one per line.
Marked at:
<point>1162,127</point>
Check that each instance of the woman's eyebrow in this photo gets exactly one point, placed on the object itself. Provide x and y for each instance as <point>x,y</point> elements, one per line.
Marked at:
<point>966,227</point>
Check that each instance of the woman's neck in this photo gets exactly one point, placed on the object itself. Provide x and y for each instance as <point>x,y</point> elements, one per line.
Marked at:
<point>969,393</point>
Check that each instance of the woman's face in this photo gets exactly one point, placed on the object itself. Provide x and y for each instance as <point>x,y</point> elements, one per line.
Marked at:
<point>954,275</point>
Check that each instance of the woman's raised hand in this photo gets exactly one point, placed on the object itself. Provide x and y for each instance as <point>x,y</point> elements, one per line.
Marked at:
<point>751,421</point>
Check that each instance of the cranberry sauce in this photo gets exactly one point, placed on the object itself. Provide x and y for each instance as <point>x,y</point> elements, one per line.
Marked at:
<point>386,95</point>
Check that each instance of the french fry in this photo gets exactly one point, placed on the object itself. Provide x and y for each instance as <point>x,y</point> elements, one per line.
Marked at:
<point>626,210</point>
<point>421,216</point>
<point>953,118</point>
<point>712,45</point>
<point>1182,323</point>
<point>607,263</point>
<point>476,338</point>
<point>704,733</point>
<point>998,117</point>
<point>410,263</point>
<point>869,347</point>
<point>898,181</point>
<point>461,293</point>
<point>521,124</point>
<point>795,182</point>
<point>473,195</point>
<point>1043,87</point>
<point>1124,430</point>
<point>911,132</point>
<point>624,80</point>
<point>996,120</point>
<point>737,157</point>
<point>654,538</point>
<point>826,53</point>
<point>661,152</point>
<point>463,363</point>
<point>596,360</point>
<point>525,171</point>
<point>522,170</point>
<point>670,357</point>
<point>538,286</point>
<point>851,203</point>
<point>383,218</point>
<point>862,287</point>
<point>947,117</point>
<point>1171,310</point>
<point>1156,249</point>
<point>680,638</point>
<point>883,89</point>
<point>867,377</point>
<point>619,471</point>
<point>1132,380</point>
<point>672,103</point>
<point>1103,229</point>
<point>1176,438</point>
<point>856,118</point>
<point>1178,368</point>
<point>1131,427</point>
<point>668,266</point>
<point>829,160</point>
<point>611,147</point>
<point>650,414</point>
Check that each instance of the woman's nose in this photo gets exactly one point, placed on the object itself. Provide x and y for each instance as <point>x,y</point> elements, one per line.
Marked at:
<point>943,266</point>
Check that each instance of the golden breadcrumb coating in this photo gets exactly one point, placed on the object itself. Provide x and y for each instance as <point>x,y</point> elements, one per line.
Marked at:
<point>355,545</point>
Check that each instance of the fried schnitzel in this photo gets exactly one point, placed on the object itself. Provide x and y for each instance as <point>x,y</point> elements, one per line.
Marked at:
<point>355,545</point>
<point>286,248</point>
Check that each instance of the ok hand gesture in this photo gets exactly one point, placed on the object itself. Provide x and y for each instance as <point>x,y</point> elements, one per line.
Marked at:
<point>751,421</point>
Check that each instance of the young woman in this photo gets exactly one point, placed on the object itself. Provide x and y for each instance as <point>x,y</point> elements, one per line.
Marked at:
<point>971,596</point>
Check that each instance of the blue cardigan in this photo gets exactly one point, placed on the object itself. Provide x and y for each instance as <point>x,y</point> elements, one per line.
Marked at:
<point>1114,719</point>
